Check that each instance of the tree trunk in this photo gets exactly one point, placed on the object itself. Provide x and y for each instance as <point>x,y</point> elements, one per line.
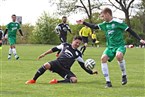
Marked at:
<point>127,19</point>
<point>90,11</point>
<point>90,19</point>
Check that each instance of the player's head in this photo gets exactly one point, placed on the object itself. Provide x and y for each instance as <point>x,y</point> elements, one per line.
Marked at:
<point>77,40</point>
<point>13,17</point>
<point>64,19</point>
<point>106,14</point>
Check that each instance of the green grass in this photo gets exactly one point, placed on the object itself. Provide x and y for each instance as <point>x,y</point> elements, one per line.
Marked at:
<point>14,73</point>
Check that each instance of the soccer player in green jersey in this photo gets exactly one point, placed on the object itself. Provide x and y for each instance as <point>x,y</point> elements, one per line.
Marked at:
<point>113,29</point>
<point>11,29</point>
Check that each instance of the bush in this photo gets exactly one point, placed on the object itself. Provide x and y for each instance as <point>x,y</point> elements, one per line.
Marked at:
<point>43,32</point>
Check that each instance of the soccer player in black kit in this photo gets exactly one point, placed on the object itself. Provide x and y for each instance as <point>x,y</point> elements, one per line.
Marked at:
<point>1,36</point>
<point>0,39</point>
<point>62,65</point>
<point>62,29</point>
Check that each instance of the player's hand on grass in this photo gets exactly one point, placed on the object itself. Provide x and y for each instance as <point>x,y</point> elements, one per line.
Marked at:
<point>79,21</point>
<point>142,41</point>
<point>41,56</point>
<point>95,72</point>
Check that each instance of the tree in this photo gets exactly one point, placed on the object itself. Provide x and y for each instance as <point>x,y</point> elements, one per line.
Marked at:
<point>141,14</point>
<point>44,30</point>
<point>27,31</point>
<point>138,23</point>
<point>2,1</point>
<point>75,6</point>
<point>124,5</point>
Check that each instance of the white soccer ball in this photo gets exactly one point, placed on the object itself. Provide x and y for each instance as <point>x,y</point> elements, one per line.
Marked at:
<point>90,64</point>
<point>57,30</point>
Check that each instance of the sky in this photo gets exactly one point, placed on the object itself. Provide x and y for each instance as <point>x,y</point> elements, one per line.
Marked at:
<point>31,10</point>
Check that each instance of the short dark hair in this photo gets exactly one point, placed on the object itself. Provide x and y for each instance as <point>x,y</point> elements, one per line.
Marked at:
<point>107,10</point>
<point>13,15</point>
<point>77,37</point>
<point>64,17</point>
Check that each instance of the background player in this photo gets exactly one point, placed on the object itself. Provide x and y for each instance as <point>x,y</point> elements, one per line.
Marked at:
<point>85,32</point>
<point>1,35</point>
<point>11,29</point>
<point>113,29</point>
<point>94,39</point>
<point>62,65</point>
<point>62,29</point>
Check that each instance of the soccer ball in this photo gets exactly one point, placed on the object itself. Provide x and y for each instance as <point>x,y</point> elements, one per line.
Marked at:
<point>57,30</point>
<point>90,64</point>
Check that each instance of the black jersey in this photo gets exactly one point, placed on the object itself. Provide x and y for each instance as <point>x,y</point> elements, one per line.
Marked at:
<point>68,55</point>
<point>63,29</point>
<point>1,34</point>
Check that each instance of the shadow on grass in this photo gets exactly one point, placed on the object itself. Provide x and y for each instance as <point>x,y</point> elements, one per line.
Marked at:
<point>78,83</point>
<point>12,92</point>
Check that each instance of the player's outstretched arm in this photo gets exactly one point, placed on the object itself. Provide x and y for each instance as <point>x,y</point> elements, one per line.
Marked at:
<point>83,66</point>
<point>79,21</point>
<point>93,26</point>
<point>87,70</point>
<point>45,53</point>
<point>54,49</point>
<point>135,35</point>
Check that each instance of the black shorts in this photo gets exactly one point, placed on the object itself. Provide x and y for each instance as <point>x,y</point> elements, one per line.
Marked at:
<point>58,68</point>
<point>93,40</point>
<point>63,38</point>
<point>85,39</point>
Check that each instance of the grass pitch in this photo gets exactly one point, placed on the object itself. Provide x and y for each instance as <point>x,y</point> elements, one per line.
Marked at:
<point>14,74</point>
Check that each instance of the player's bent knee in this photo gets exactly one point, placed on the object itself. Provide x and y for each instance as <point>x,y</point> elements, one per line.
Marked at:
<point>47,65</point>
<point>119,56</point>
<point>12,46</point>
<point>104,58</point>
<point>73,79</point>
